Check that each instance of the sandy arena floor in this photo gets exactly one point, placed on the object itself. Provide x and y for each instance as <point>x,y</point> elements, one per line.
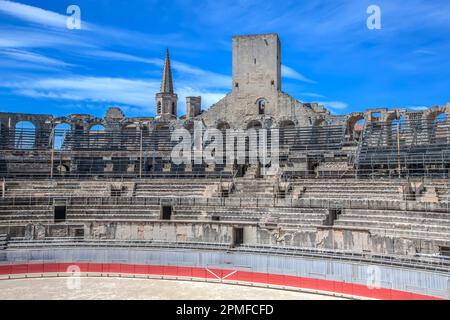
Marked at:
<point>138,289</point>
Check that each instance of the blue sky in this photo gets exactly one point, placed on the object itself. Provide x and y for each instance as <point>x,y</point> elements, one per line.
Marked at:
<point>328,54</point>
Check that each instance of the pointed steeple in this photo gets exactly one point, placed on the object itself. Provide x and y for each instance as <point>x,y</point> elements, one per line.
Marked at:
<point>166,83</point>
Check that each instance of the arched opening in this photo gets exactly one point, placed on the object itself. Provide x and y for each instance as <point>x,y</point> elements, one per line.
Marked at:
<point>287,124</point>
<point>397,128</point>
<point>358,129</point>
<point>261,103</point>
<point>400,123</point>
<point>355,126</point>
<point>254,124</point>
<point>62,169</point>
<point>97,135</point>
<point>189,125</point>
<point>62,131</point>
<point>130,135</point>
<point>158,107</point>
<point>4,136</point>
<point>287,132</point>
<point>25,135</point>
<point>98,128</point>
<point>223,125</point>
<point>441,128</point>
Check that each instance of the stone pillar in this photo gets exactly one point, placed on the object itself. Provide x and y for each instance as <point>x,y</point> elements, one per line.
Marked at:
<point>193,106</point>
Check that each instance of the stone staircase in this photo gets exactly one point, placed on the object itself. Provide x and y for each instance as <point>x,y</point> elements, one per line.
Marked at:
<point>251,188</point>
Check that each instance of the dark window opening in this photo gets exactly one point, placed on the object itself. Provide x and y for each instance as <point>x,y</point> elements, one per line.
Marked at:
<point>238,236</point>
<point>236,85</point>
<point>445,251</point>
<point>272,82</point>
<point>166,212</point>
<point>282,194</point>
<point>59,213</point>
<point>158,110</point>
<point>254,60</point>
<point>225,193</point>
<point>118,191</point>
<point>332,216</point>
<point>79,232</point>
<point>215,218</point>
<point>261,107</point>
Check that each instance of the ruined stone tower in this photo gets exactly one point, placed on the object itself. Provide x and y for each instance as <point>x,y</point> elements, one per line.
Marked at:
<point>166,99</point>
<point>256,63</point>
<point>257,73</point>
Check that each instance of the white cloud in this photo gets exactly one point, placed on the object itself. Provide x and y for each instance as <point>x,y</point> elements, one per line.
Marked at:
<point>311,95</point>
<point>334,105</point>
<point>32,57</point>
<point>425,52</point>
<point>131,92</point>
<point>187,72</point>
<point>97,89</point>
<point>288,72</point>
<point>35,14</point>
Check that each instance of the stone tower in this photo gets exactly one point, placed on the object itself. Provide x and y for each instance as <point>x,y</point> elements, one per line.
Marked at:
<point>193,106</point>
<point>257,74</point>
<point>166,99</point>
<point>256,64</point>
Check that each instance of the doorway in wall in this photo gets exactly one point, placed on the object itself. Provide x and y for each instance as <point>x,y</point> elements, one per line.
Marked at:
<point>166,212</point>
<point>59,211</point>
<point>238,236</point>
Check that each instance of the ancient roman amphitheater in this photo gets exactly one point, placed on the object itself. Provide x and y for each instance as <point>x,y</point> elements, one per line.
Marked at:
<point>350,206</point>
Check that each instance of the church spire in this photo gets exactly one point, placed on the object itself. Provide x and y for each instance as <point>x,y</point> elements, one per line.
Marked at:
<point>166,83</point>
<point>166,99</point>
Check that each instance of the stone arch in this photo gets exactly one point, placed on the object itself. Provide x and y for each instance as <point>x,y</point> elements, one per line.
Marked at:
<point>62,169</point>
<point>254,124</point>
<point>222,125</point>
<point>396,126</point>
<point>434,112</point>
<point>441,128</point>
<point>62,130</point>
<point>96,127</point>
<point>319,122</point>
<point>287,123</point>
<point>437,124</point>
<point>188,125</point>
<point>261,103</point>
<point>25,135</point>
<point>287,131</point>
<point>4,135</point>
<point>355,125</point>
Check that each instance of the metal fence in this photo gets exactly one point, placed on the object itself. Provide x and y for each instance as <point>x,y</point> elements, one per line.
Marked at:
<point>267,264</point>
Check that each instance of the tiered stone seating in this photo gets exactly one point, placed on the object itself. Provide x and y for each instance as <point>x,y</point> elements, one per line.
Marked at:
<point>57,188</point>
<point>3,241</point>
<point>443,191</point>
<point>173,188</point>
<point>81,212</point>
<point>25,213</point>
<point>284,217</point>
<point>253,189</point>
<point>411,224</point>
<point>350,189</point>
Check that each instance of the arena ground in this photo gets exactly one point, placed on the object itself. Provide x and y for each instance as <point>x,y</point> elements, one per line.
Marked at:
<point>139,289</point>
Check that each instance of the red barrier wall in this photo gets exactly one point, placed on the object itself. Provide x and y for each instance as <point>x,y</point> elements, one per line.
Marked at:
<point>218,274</point>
